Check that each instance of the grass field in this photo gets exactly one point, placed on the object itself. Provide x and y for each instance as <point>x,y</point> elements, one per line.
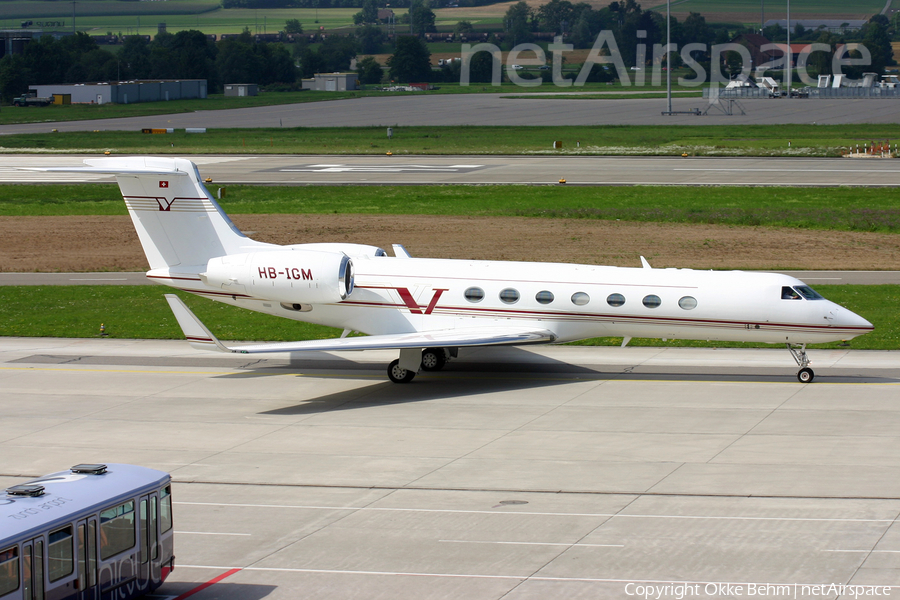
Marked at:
<point>719,9</point>
<point>100,16</point>
<point>141,312</point>
<point>81,112</point>
<point>744,140</point>
<point>130,18</point>
<point>842,209</point>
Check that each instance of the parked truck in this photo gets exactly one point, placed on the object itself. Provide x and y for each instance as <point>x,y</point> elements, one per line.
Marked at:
<point>31,99</point>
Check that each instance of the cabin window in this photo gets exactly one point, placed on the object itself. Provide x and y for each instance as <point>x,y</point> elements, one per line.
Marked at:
<point>789,293</point>
<point>474,294</point>
<point>544,297</point>
<point>60,554</point>
<point>116,529</point>
<point>808,293</point>
<point>9,570</point>
<point>615,299</point>
<point>688,303</point>
<point>165,509</point>
<point>580,298</point>
<point>509,296</point>
<point>651,301</point>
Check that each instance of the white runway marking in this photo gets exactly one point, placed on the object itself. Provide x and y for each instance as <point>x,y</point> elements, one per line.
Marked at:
<point>541,514</point>
<point>12,175</point>
<point>573,545</point>
<point>867,551</point>
<point>831,171</point>
<point>515,577</point>
<point>210,533</point>
<point>395,168</point>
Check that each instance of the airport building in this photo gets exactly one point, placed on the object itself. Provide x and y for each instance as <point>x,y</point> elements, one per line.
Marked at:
<point>332,82</point>
<point>241,89</point>
<point>125,92</point>
<point>15,40</point>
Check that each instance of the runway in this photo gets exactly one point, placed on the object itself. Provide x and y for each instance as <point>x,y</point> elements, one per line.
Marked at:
<point>515,474</point>
<point>495,109</point>
<point>477,170</point>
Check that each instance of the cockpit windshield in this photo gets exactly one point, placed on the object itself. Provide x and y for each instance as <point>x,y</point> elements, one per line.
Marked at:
<point>808,293</point>
<point>799,292</point>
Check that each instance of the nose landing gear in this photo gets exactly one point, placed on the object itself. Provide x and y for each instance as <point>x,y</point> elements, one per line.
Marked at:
<point>805,374</point>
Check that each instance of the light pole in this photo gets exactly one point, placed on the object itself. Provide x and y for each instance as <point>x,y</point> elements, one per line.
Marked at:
<point>788,55</point>
<point>668,62</point>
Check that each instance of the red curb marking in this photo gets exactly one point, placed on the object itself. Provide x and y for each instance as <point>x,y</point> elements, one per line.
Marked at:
<point>203,586</point>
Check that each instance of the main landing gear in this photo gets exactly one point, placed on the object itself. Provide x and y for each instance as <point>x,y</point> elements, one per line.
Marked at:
<point>405,368</point>
<point>805,374</point>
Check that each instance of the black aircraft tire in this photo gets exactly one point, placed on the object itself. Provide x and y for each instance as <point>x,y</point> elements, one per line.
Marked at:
<point>397,374</point>
<point>805,375</point>
<point>433,359</point>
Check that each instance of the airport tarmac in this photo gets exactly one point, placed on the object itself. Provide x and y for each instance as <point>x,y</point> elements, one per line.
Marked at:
<point>496,109</point>
<point>520,170</point>
<point>568,472</point>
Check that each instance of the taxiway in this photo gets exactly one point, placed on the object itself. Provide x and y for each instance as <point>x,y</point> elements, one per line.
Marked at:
<point>495,109</point>
<point>515,474</point>
<point>520,170</point>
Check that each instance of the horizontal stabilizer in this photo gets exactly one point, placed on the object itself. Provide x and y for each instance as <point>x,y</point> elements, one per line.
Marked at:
<point>194,330</point>
<point>200,337</point>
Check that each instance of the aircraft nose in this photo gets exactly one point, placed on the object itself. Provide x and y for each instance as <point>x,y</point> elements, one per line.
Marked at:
<point>838,316</point>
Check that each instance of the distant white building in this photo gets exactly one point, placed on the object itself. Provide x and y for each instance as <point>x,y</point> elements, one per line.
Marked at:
<point>125,92</point>
<point>332,82</point>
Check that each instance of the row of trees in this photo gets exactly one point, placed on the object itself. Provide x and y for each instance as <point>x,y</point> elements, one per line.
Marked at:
<point>308,3</point>
<point>190,54</point>
<point>184,55</point>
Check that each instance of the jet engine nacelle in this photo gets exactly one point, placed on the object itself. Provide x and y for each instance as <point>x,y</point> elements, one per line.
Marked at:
<point>287,276</point>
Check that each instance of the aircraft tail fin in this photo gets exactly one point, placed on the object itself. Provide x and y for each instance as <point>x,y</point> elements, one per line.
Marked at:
<point>177,220</point>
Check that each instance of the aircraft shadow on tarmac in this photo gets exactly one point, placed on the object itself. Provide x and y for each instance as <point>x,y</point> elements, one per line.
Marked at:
<point>472,383</point>
<point>244,591</point>
<point>498,372</point>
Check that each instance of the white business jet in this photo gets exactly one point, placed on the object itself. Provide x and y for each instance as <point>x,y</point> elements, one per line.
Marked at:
<point>428,309</point>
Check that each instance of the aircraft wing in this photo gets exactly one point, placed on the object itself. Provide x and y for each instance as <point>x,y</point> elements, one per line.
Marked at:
<point>200,337</point>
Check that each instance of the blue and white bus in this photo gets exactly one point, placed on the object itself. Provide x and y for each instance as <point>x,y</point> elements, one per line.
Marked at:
<point>90,533</point>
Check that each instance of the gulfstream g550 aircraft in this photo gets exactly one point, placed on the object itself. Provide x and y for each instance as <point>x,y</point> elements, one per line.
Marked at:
<point>428,309</point>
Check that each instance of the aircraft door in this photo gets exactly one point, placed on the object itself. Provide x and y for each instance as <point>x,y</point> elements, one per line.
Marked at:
<point>87,560</point>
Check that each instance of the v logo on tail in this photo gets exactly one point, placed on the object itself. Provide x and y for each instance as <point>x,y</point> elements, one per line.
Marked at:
<point>192,245</point>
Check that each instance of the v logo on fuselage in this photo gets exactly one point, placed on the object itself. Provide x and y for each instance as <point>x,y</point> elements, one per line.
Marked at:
<point>410,302</point>
<point>165,205</point>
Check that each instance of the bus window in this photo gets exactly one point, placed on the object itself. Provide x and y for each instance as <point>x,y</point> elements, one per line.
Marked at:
<point>165,509</point>
<point>116,529</point>
<point>60,553</point>
<point>38,569</point>
<point>154,538</point>
<point>9,570</point>
<point>82,551</point>
<point>145,538</point>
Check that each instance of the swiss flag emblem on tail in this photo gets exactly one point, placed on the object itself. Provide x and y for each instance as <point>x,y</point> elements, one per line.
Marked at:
<point>163,184</point>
